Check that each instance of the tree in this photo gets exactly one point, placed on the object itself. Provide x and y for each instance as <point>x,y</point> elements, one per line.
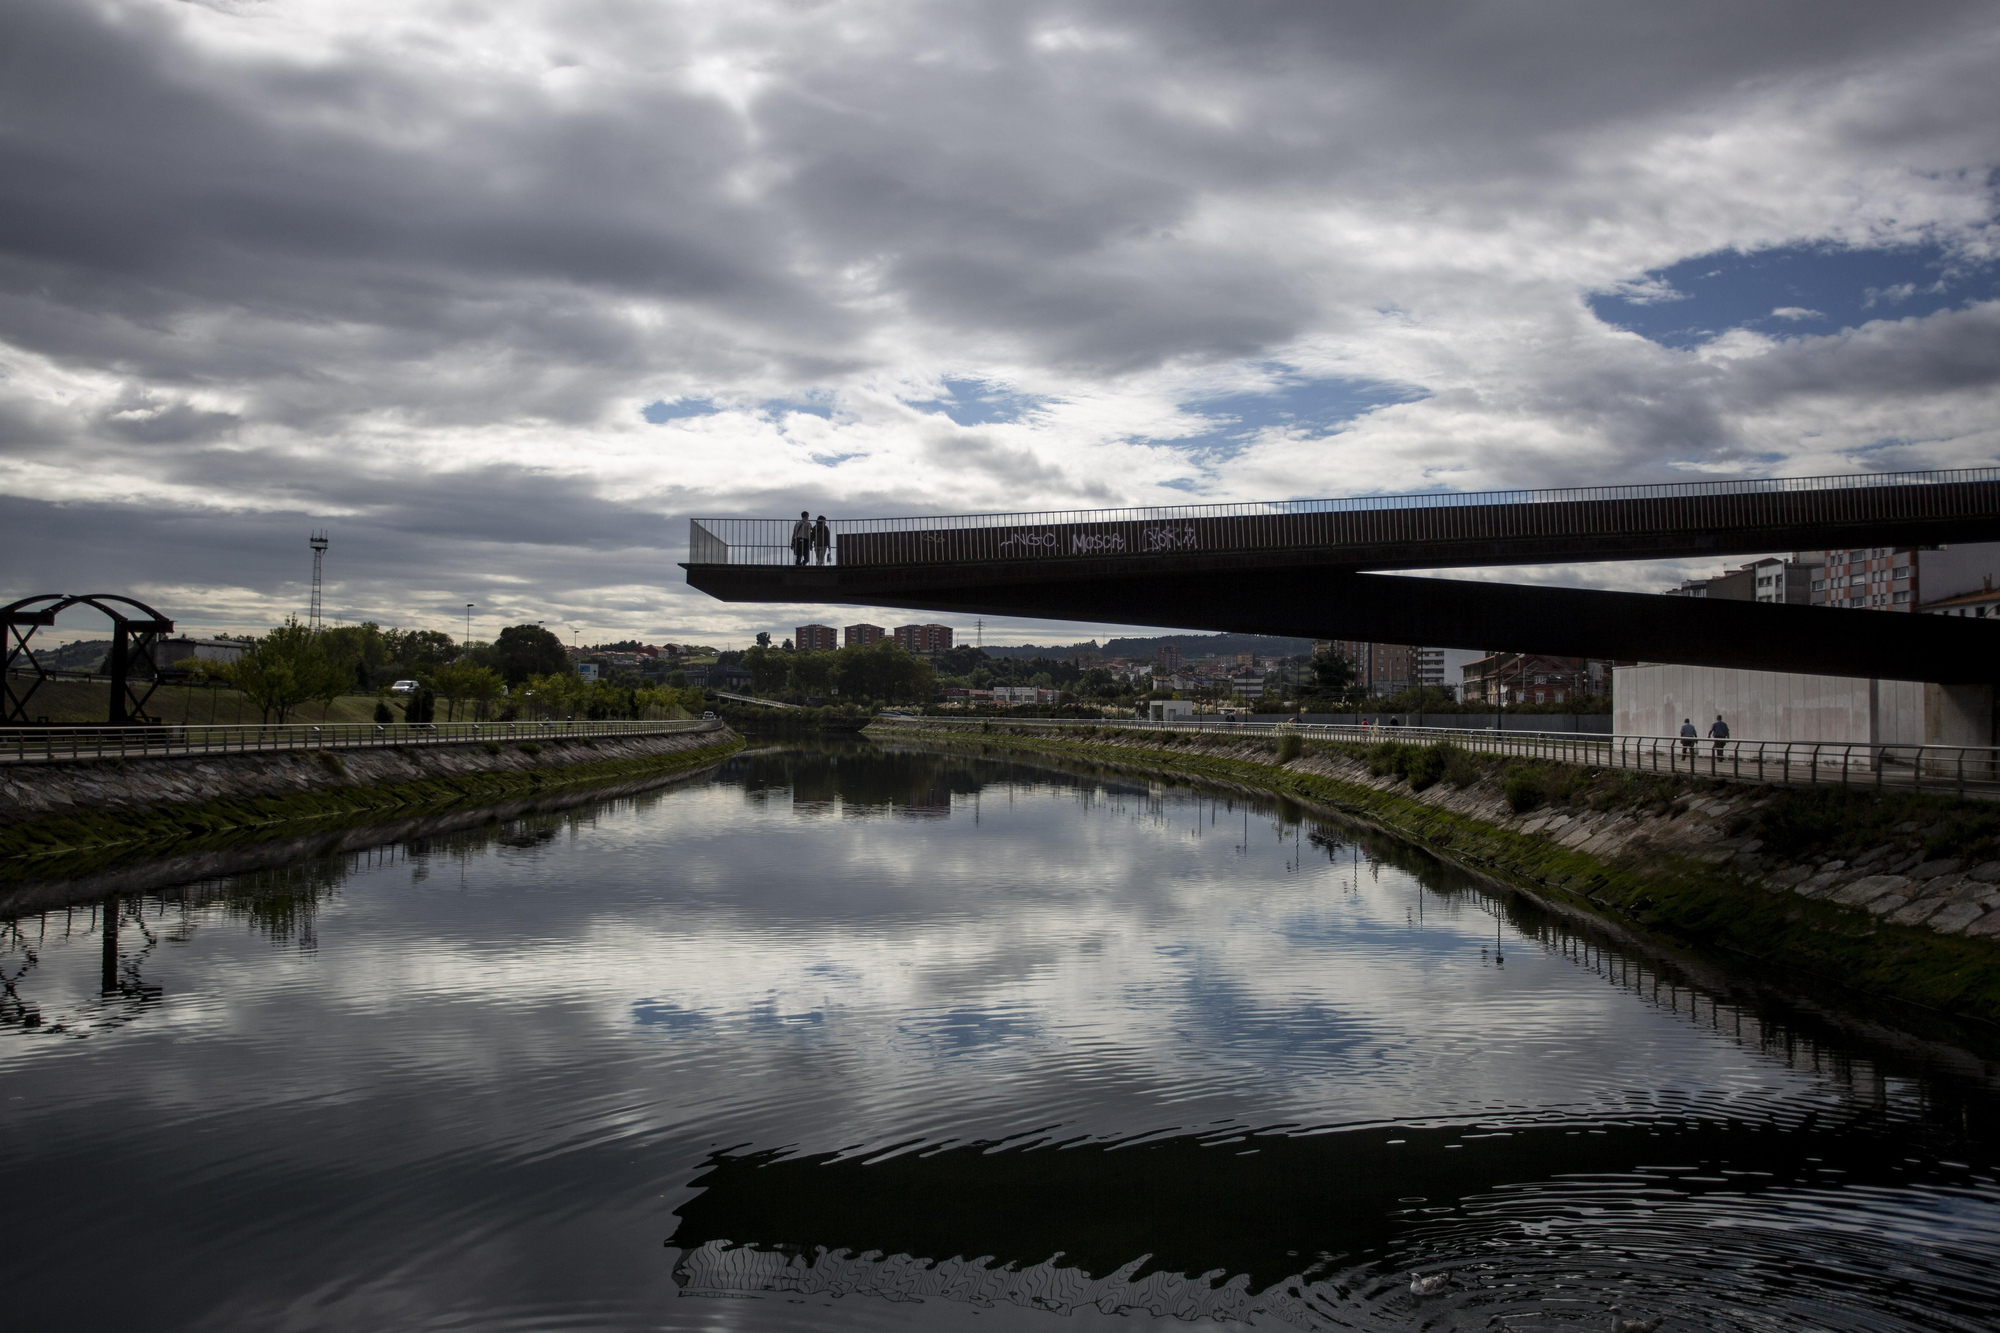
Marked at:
<point>553,694</point>
<point>529,650</point>
<point>414,650</point>
<point>487,685</point>
<point>285,668</point>
<point>812,673</point>
<point>1333,676</point>
<point>885,671</point>
<point>763,638</point>
<point>360,650</point>
<point>770,670</point>
<point>464,680</point>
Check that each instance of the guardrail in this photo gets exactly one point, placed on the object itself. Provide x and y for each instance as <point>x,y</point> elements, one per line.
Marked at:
<point>50,745</point>
<point>1965,770</point>
<point>1153,530</point>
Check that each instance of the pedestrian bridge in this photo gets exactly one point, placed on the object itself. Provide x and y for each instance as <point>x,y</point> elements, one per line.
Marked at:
<point>1311,568</point>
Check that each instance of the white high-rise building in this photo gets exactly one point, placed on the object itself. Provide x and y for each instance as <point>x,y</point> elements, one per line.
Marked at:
<point>1444,668</point>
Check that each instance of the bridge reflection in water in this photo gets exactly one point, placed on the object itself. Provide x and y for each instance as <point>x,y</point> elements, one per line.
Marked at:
<point>1309,1231</point>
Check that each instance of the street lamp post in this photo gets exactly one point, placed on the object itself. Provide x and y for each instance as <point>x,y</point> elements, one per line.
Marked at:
<point>468,623</point>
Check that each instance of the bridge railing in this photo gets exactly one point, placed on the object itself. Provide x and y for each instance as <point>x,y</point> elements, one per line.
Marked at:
<point>49,745</point>
<point>1150,530</point>
<point>1967,770</point>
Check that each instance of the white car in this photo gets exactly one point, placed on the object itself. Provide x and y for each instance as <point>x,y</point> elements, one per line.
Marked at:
<point>403,687</point>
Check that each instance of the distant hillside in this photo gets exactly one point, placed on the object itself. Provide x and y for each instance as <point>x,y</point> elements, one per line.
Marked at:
<point>1191,645</point>
<point>83,655</point>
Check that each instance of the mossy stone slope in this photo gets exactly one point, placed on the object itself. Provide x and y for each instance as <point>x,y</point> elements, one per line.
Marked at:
<point>28,841</point>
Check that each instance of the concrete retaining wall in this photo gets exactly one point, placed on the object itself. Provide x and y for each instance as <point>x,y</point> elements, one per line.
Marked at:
<point>1779,706</point>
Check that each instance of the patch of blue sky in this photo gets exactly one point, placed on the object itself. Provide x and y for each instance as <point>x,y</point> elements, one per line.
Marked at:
<point>1316,406</point>
<point>1793,289</point>
<point>815,402</point>
<point>661,411</point>
<point>975,402</point>
<point>834,460</point>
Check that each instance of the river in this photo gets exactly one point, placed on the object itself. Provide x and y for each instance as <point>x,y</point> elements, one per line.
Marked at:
<point>841,1036</point>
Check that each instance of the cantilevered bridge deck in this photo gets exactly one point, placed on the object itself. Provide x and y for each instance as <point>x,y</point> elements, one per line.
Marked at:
<point>1299,568</point>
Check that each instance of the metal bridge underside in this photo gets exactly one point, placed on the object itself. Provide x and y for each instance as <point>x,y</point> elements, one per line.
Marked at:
<point>1319,603</point>
<point>1309,577</point>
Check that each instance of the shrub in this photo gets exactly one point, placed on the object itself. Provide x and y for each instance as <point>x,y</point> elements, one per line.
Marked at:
<point>1290,746</point>
<point>1385,758</point>
<point>492,747</point>
<point>529,748</point>
<point>1461,770</point>
<point>1523,788</point>
<point>1423,766</point>
<point>382,713</point>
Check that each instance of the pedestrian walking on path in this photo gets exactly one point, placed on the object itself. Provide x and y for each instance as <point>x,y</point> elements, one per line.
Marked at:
<point>1688,737</point>
<point>822,540</point>
<point>1718,731</point>
<point>802,538</point>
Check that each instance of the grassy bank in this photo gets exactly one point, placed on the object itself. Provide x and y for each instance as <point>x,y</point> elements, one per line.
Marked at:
<point>1714,900</point>
<point>70,843</point>
<point>191,705</point>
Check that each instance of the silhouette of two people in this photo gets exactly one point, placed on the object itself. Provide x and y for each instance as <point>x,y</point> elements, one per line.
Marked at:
<point>810,540</point>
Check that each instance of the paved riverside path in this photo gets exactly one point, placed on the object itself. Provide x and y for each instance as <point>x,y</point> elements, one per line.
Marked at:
<point>1969,771</point>
<point>55,745</point>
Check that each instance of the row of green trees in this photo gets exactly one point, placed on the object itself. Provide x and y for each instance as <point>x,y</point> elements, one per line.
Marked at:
<point>886,671</point>
<point>292,666</point>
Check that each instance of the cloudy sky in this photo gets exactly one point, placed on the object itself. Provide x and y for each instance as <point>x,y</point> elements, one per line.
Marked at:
<point>501,295</point>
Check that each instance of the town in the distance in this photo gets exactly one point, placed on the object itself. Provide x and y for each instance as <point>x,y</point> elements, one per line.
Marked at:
<point>365,672</point>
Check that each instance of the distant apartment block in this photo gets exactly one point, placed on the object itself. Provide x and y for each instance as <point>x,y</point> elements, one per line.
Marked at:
<point>1380,669</point>
<point>815,638</point>
<point>1785,582</point>
<point>1168,659</point>
<point>1444,668</point>
<point>924,638</point>
<point>1903,578</point>
<point>1247,685</point>
<point>1775,580</point>
<point>864,636</point>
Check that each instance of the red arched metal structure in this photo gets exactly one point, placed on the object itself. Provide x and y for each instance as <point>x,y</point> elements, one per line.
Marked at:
<point>135,630</point>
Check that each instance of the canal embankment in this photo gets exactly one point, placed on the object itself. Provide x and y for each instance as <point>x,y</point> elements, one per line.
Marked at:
<point>64,821</point>
<point>1893,894</point>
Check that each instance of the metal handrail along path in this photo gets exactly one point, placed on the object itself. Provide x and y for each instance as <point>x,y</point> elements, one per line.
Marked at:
<point>1964,770</point>
<point>47,745</point>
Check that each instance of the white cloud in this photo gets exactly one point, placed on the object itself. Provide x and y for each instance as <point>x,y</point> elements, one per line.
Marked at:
<point>1797,312</point>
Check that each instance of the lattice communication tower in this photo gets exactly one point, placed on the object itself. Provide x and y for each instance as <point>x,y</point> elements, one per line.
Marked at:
<point>319,545</point>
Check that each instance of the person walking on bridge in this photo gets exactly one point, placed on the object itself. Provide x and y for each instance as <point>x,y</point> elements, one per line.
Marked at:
<point>802,538</point>
<point>1688,737</point>
<point>822,540</point>
<point>1718,732</point>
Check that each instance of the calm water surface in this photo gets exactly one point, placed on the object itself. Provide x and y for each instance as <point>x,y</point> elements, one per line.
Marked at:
<point>895,1038</point>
